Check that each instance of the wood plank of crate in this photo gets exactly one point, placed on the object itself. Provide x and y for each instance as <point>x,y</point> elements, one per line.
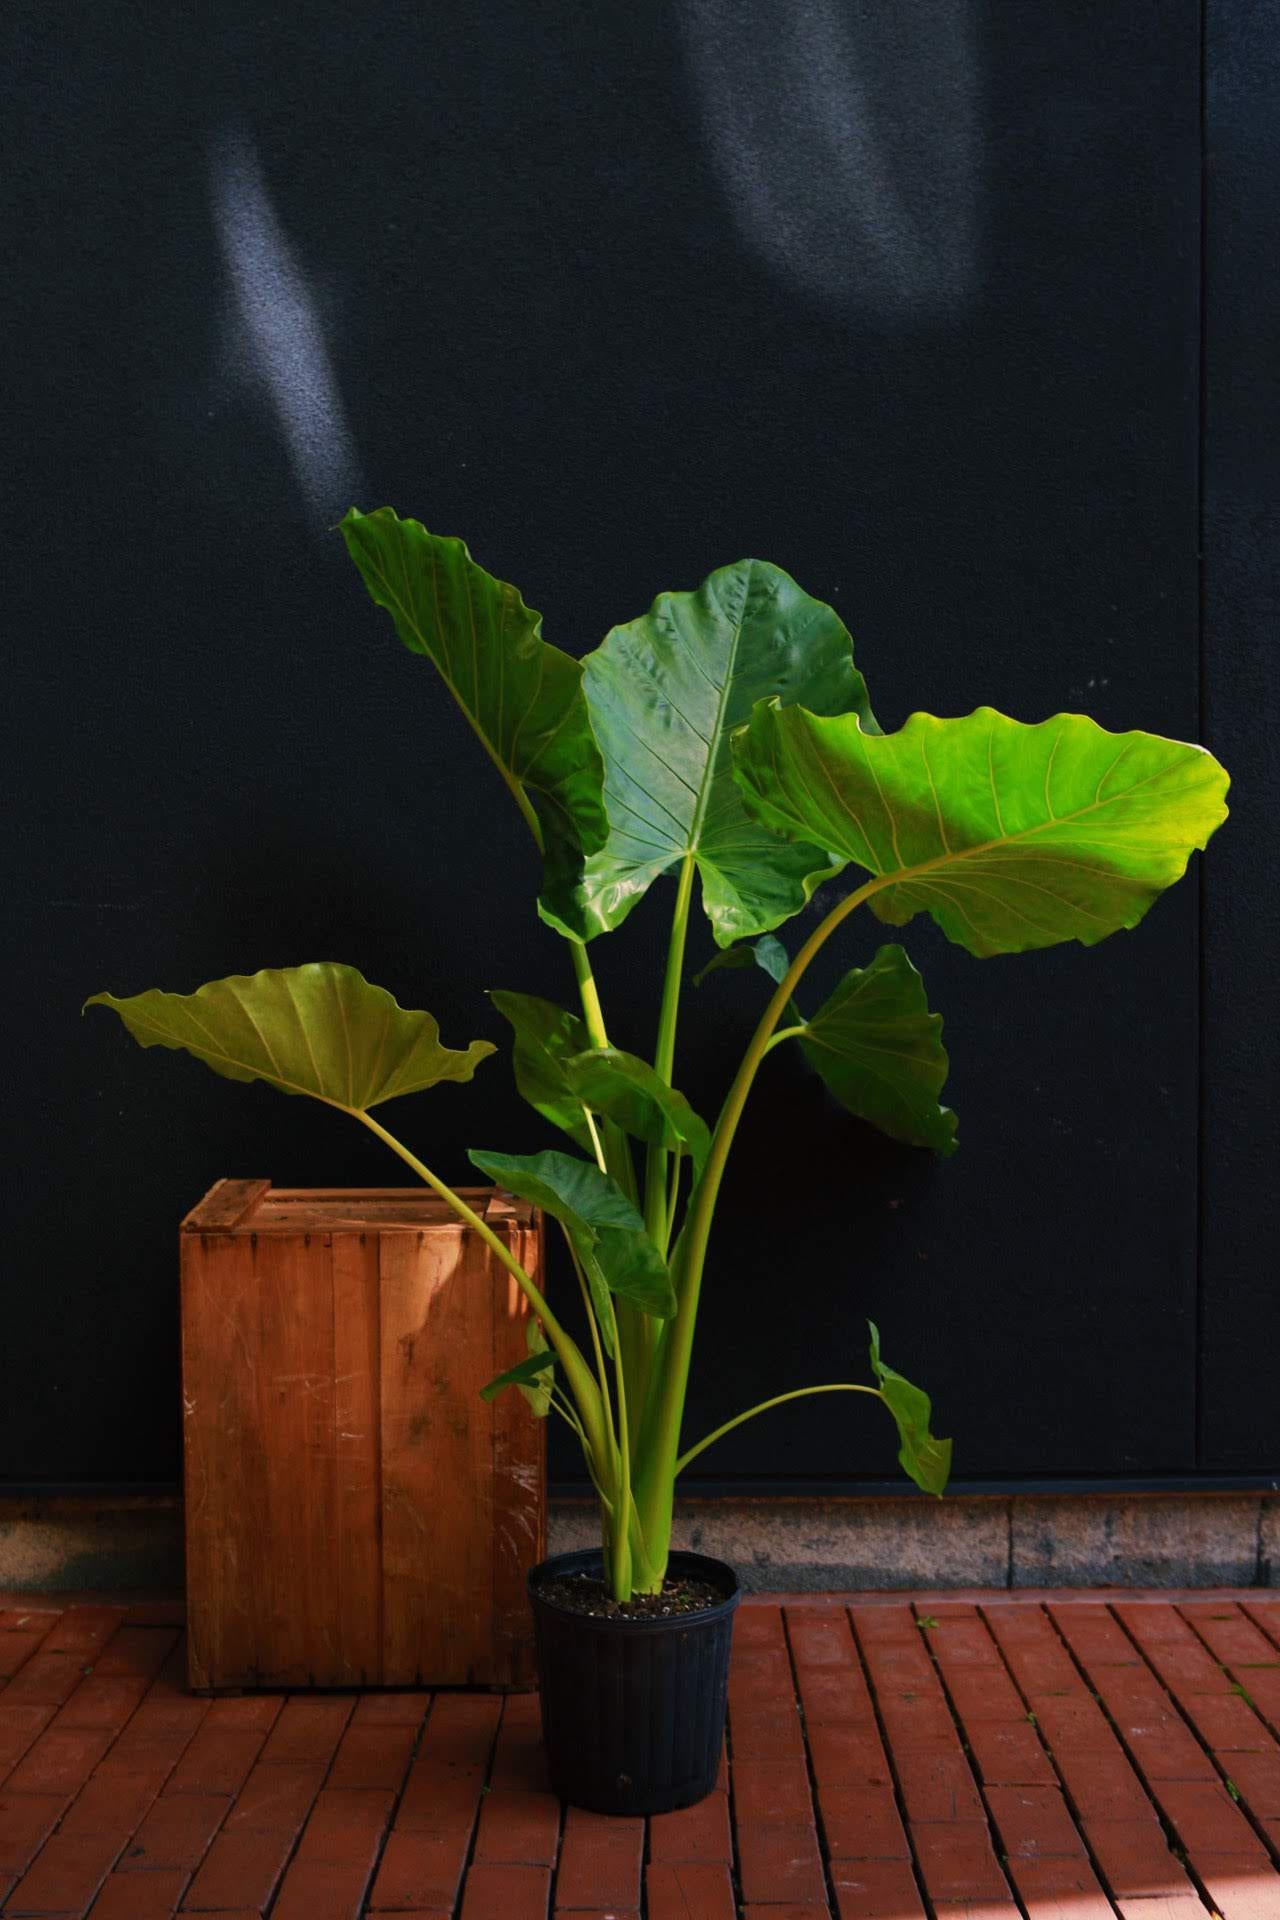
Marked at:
<point>355,1513</point>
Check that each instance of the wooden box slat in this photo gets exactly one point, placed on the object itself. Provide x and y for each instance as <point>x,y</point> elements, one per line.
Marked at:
<point>356,1515</point>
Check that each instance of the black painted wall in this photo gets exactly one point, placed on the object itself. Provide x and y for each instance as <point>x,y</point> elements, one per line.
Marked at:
<point>909,300</point>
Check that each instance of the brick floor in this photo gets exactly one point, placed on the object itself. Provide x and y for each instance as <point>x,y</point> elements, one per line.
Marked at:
<point>891,1757</point>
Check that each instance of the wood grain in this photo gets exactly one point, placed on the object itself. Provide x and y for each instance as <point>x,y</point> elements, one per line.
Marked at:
<point>224,1461</point>
<point>437,1455</point>
<point>225,1205</point>
<point>519,1462</point>
<point>358,1454</point>
<point>356,1515</point>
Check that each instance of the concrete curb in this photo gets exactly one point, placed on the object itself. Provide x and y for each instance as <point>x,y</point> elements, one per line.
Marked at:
<point>1061,1540</point>
<point>84,1543</point>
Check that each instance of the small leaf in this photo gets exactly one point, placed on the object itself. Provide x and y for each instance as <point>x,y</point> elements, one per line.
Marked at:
<point>925,1459</point>
<point>665,692</point>
<point>535,1367</point>
<point>767,952</point>
<point>320,1029</point>
<point>626,1090</point>
<point>538,1395</point>
<point>607,1232</point>
<point>879,1049</point>
<point>1011,837</point>
<point>547,1039</point>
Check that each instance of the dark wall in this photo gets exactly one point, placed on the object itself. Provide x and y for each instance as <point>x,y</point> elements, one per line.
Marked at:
<point>907,300</point>
<point>1239,1409</point>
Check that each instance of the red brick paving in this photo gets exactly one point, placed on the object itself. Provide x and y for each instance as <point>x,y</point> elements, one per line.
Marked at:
<point>1058,1757</point>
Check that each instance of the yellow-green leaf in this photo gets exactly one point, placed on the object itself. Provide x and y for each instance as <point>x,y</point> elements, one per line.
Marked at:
<point>1009,836</point>
<point>921,1454</point>
<point>319,1029</point>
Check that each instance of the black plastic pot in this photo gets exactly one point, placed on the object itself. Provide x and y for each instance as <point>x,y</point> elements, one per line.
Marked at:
<point>633,1709</point>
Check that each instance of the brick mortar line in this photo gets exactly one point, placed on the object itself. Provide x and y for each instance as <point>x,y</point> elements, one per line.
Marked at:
<point>993,1825</point>
<point>486,1786</point>
<point>1176,1847</point>
<point>731,1805</point>
<point>234,1799</point>
<point>131,1831</point>
<point>819,1824</point>
<point>1063,1787</point>
<point>562,1817</point>
<point>1272,1845</point>
<point>735,1871</point>
<point>926,1899</point>
<point>1263,1629</point>
<point>55,1620</point>
<point>398,1798</point>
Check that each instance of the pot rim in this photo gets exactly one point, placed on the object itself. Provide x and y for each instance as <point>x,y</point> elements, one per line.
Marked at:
<point>578,1558</point>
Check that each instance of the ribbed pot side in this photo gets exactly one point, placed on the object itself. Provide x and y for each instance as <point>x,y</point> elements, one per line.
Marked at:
<point>633,1710</point>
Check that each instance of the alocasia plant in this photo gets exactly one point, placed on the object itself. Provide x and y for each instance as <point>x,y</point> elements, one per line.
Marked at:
<point>724,740</point>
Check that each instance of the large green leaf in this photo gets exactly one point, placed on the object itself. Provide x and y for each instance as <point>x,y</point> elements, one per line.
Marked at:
<point>606,1231</point>
<point>879,1049</point>
<point>665,692</point>
<point>319,1029</point>
<point>1010,836</point>
<point>547,1040</point>
<point>926,1459</point>
<point>522,696</point>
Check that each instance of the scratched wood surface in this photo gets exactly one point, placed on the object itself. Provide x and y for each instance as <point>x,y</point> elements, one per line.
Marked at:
<point>355,1513</point>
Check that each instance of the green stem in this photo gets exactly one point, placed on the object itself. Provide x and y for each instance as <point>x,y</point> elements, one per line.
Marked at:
<point>674,1197</point>
<point>620,1569</point>
<point>589,994</point>
<point>571,1358</point>
<point>656,1491</point>
<point>616,1146</point>
<point>778,1400</point>
<point>602,1372</point>
<point>597,1149</point>
<point>613,1156</point>
<point>784,1033</point>
<point>655,1178</point>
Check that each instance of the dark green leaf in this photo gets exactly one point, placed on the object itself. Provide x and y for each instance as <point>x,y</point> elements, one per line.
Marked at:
<point>607,1232</point>
<point>537,1367</point>
<point>926,1460</point>
<point>547,1039</point>
<point>879,1049</point>
<point>522,696</point>
<point>319,1029</point>
<point>626,1090</point>
<point>665,692</point>
<point>538,1395</point>
<point>1010,836</point>
<point>767,952</point>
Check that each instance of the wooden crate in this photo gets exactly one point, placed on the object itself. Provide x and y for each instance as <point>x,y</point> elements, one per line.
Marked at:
<point>355,1513</point>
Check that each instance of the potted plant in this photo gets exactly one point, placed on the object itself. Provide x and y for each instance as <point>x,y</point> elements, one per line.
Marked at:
<point>725,740</point>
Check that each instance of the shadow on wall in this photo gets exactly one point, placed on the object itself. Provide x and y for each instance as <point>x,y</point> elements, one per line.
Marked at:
<point>861,196</point>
